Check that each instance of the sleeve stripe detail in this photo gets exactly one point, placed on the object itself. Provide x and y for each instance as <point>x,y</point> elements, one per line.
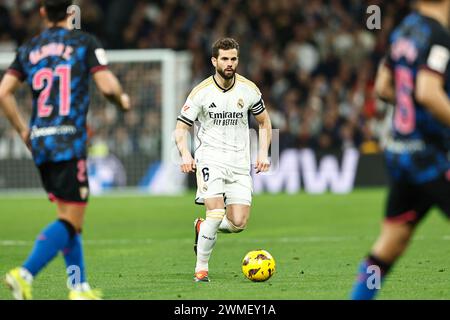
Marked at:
<point>15,73</point>
<point>189,124</point>
<point>98,68</point>
<point>185,120</point>
<point>255,113</point>
<point>258,106</point>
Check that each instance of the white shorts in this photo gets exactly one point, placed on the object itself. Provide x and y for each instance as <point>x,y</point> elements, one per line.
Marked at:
<point>216,181</point>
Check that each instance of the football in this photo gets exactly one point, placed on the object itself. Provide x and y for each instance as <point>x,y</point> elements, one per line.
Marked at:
<point>258,265</point>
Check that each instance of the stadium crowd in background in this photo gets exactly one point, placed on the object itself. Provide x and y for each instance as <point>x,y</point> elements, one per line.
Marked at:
<point>314,61</point>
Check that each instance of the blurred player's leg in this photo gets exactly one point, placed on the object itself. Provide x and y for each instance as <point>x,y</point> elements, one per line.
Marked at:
<point>57,236</point>
<point>388,248</point>
<point>73,254</point>
<point>392,242</point>
<point>48,243</point>
<point>406,205</point>
<point>51,240</point>
<point>208,235</point>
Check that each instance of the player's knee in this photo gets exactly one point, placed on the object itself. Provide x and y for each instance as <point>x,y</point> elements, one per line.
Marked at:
<point>239,224</point>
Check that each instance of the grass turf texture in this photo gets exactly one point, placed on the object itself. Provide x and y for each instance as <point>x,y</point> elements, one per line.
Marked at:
<point>141,248</point>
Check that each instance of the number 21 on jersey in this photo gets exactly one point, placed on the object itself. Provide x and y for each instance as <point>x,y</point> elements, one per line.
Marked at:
<point>43,80</point>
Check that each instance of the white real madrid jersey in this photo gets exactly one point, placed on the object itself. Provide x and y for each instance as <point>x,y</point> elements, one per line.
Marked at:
<point>223,136</point>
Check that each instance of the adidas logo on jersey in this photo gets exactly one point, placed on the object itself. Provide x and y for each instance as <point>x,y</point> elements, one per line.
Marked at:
<point>212,106</point>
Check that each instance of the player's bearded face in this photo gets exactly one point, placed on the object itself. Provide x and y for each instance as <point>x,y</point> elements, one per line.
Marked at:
<point>226,63</point>
<point>226,73</point>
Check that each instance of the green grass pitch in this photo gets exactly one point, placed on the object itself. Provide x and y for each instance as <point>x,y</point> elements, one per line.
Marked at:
<point>141,248</point>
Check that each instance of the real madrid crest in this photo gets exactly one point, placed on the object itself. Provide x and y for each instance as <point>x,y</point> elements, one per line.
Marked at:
<point>240,103</point>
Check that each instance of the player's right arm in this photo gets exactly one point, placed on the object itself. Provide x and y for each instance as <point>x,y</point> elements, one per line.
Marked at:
<point>384,83</point>
<point>181,136</point>
<point>185,120</point>
<point>8,103</point>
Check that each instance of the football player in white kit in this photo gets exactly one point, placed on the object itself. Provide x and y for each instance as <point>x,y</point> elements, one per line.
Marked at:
<point>222,104</point>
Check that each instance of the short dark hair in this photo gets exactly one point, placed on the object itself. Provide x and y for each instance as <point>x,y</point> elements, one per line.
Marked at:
<point>56,9</point>
<point>224,44</point>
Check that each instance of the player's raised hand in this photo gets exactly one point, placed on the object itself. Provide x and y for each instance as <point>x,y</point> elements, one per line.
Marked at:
<point>188,163</point>
<point>262,164</point>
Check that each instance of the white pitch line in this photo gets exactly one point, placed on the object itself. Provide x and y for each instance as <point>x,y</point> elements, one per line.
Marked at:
<point>312,239</point>
<point>106,242</point>
<point>14,243</point>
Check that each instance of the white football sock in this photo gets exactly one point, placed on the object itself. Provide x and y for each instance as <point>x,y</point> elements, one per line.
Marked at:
<point>207,237</point>
<point>226,226</point>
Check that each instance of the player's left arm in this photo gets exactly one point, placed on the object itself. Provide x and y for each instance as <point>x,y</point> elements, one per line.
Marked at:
<point>110,87</point>
<point>430,90</point>
<point>265,138</point>
<point>8,103</point>
<point>105,80</point>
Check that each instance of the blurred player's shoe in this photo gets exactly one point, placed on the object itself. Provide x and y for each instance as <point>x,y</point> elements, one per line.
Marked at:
<point>201,276</point>
<point>19,281</point>
<point>197,224</point>
<point>84,292</point>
